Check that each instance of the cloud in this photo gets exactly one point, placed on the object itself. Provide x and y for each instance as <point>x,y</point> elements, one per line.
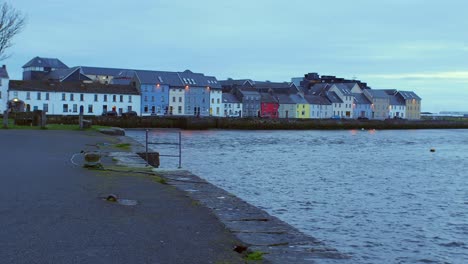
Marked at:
<point>447,75</point>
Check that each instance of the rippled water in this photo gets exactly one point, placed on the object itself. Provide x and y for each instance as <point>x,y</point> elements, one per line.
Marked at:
<point>380,196</point>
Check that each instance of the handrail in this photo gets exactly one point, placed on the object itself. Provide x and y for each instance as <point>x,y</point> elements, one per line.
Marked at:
<point>147,142</point>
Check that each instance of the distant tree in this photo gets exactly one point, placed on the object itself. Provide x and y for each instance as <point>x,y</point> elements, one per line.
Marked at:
<point>11,23</point>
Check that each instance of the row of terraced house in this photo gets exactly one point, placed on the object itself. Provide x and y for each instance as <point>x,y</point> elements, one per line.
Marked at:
<point>50,85</point>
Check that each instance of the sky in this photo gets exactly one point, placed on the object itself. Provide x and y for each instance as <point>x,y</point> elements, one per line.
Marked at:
<point>412,45</point>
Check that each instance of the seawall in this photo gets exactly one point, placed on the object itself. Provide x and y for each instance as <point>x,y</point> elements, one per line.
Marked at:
<point>194,123</point>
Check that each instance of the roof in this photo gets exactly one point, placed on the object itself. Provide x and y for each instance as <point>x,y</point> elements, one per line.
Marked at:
<point>4,73</point>
<point>298,99</point>
<point>284,99</point>
<point>161,77</point>
<point>267,98</point>
<point>343,88</point>
<point>317,100</point>
<point>409,95</point>
<point>377,93</point>
<point>72,87</point>
<point>61,74</point>
<point>396,100</point>
<point>333,97</point>
<point>86,70</point>
<point>198,79</point>
<point>361,99</point>
<point>46,62</point>
<point>232,82</point>
<point>249,91</point>
<point>230,98</point>
<point>319,88</point>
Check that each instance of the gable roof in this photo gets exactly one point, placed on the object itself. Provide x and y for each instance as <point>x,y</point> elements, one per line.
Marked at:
<point>381,94</point>
<point>343,88</point>
<point>406,95</point>
<point>319,88</point>
<point>298,99</point>
<point>284,99</point>
<point>396,100</point>
<point>230,98</point>
<point>4,73</point>
<point>360,98</point>
<point>317,100</point>
<point>333,97</point>
<point>72,87</point>
<point>159,77</point>
<point>46,62</point>
<point>267,98</point>
<point>86,70</point>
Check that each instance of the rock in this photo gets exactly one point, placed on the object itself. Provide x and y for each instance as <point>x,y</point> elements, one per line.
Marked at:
<point>113,131</point>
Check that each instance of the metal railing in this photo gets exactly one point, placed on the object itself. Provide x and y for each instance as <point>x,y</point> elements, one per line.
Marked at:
<point>178,144</point>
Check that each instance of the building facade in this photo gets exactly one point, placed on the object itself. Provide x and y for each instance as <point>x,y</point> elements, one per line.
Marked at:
<point>4,80</point>
<point>57,98</point>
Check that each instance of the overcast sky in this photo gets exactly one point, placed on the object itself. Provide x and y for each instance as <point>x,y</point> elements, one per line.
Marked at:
<point>419,45</point>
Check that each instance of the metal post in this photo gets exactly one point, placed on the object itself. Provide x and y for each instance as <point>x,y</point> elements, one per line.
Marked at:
<point>180,150</point>
<point>5,119</point>
<point>147,163</point>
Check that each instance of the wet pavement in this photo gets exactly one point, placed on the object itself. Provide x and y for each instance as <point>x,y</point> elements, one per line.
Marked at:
<point>52,209</point>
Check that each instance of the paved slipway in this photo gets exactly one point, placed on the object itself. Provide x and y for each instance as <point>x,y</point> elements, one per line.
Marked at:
<point>52,210</point>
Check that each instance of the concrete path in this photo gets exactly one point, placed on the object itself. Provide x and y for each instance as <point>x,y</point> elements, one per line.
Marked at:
<point>52,211</point>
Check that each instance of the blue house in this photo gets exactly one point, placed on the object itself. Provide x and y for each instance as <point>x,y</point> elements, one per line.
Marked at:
<point>154,88</point>
<point>362,107</point>
<point>197,93</point>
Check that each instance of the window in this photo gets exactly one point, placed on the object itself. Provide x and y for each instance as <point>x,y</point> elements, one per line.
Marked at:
<point>152,98</point>
<point>162,99</point>
<point>153,109</point>
<point>121,99</point>
<point>95,98</point>
<point>75,108</point>
<point>105,98</point>
<point>28,95</point>
<point>218,100</point>
<point>104,108</point>
<point>146,98</point>
<point>45,108</point>
<point>15,94</point>
<point>129,108</point>
<point>114,98</point>
<point>180,99</point>
<point>129,98</point>
<point>145,109</point>
<point>65,108</point>
<point>173,99</point>
<point>0,93</point>
<point>72,97</point>
<point>35,108</point>
<point>90,108</point>
<point>212,100</point>
<point>47,96</point>
<point>81,97</point>
<point>38,96</point>
<point>179,109</point>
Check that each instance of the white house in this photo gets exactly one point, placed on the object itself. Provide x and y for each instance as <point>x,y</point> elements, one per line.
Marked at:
<point>232,105</point>
<point>71,98</point>
<point>177,101</point>
<point>216,102</point>
<point>320,107</point>
<point>4,79</point>
<point>344,109</point>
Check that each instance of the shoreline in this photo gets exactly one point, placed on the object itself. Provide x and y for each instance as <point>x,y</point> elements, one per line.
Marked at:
<point>260,231</point>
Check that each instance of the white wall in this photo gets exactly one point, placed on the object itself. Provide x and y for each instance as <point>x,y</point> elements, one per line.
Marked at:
<point>3,94</point>
<point>400,109</point>
<point>232,109</point>
<point>55,102</point>
<point>216,102</point>
<point>177,100</point>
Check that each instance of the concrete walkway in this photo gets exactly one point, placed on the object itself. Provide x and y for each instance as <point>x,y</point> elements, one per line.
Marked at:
<point>52,211</point>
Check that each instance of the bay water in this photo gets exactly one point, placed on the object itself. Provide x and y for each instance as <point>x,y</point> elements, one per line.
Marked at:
<point>378,196</point>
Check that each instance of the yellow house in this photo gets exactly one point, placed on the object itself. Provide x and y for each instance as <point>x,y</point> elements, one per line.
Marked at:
<point>302,106</point>
<point>413,104</point>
